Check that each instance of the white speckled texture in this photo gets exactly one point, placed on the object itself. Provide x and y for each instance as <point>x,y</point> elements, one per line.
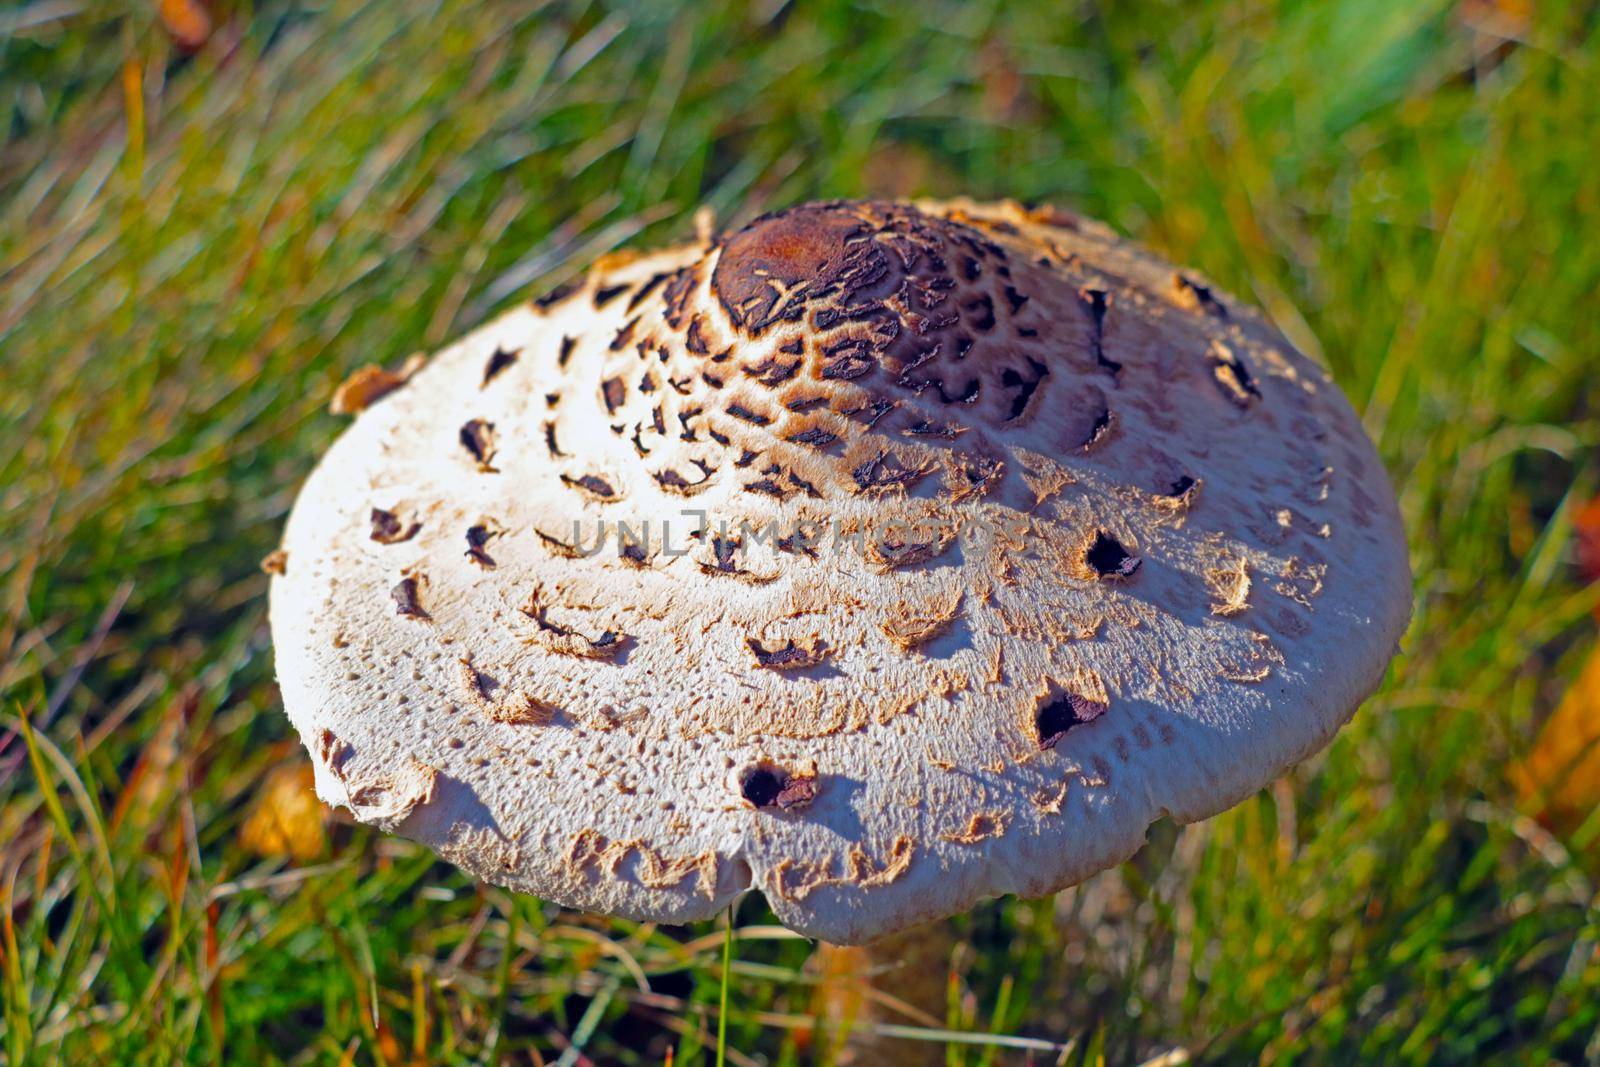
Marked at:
<point>1016,383</point>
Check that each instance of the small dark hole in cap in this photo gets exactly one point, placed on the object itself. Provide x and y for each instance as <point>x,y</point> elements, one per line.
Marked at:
<point>1109,559</point>
<point>1062,714</point>
<point>1182,485</point>
<point>762,785</point>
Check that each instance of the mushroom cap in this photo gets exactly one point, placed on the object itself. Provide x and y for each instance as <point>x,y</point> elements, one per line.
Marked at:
<point>963,542</point>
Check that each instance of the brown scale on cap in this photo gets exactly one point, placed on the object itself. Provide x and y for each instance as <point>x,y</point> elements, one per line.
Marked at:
<point>851,312</point>
<point>858,502</point>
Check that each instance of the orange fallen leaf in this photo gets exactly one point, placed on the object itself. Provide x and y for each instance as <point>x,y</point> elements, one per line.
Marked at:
<point>1560,778</point>
<point>1503,18</point>
<point>1586,528</point>
<point>286,818</point>
<point>186,21</point>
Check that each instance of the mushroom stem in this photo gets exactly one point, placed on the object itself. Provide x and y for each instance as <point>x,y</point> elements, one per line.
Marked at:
<point>902,978</point>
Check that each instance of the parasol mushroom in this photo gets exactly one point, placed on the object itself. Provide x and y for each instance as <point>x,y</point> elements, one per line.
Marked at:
<point>882,557</point>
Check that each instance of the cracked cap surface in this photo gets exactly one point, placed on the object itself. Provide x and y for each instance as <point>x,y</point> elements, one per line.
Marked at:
<point>963,541</point>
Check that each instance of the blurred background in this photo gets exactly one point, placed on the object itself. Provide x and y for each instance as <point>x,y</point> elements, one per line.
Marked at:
<point>210,212</point>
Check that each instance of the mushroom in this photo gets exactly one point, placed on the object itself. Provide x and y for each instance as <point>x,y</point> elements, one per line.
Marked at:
<point>996,657</point>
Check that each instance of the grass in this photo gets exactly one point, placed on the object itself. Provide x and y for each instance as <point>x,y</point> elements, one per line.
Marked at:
<point>193,250</point>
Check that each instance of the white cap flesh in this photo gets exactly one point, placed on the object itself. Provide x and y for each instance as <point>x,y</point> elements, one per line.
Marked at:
<point>962,542</point>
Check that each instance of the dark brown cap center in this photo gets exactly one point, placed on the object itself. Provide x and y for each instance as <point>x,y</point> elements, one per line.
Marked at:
<point>769,270</point>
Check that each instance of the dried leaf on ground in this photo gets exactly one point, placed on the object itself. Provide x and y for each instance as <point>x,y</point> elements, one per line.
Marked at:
<point>286,818</point>
<point>187,21</point>
<point>1561,776</point>
<point>1586,529</point>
